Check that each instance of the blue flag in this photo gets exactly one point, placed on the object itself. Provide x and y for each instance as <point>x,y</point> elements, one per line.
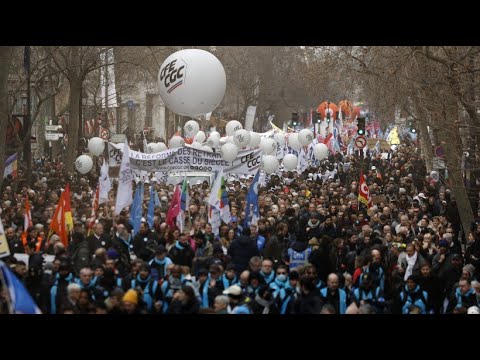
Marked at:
<point>151,207</point>
<point>252,214</point>
<point>20,300</point>
<point>136,211</point>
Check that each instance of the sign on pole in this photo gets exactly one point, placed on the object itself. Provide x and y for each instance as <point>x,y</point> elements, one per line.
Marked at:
<point>360,142</point>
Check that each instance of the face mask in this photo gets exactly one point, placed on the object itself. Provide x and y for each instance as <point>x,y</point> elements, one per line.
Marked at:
<point>282,277</point>
<point>84,219</point>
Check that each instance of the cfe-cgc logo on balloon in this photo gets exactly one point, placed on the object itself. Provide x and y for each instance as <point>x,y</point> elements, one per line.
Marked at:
<point>173,74</point>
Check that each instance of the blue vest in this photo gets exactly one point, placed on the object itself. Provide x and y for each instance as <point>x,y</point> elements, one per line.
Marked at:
<point>148,292</point>
<point>298,259</point>
<point>419,299</point>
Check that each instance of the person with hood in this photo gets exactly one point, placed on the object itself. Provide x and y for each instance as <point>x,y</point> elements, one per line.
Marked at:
<point>411,295</point>
<point>264,302</point>
<point>297,255</point>
<point>241,250</point>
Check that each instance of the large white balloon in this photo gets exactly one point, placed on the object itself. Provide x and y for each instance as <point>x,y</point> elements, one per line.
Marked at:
<point>192,82</point>
<point>151,148</point>
<point>223,140</point>
<point>215,134</point>
<point>159,147</point>
<point>207,148</point>
<point>255,139</point>
<point>83,164</point>
<point>268,145</point>
<point>280,138</point>
<point>320,151</point>
<point>232,126</point>
<point>191,128</point>
<point>213,141</point>
<point>96,146</point>
<point>269,164</point>
<point>176,142</point>
<point>293,142</point>
<point>241,138</point>
<point>200,137</point>
<point>305,137</point>
<point>196,145</point>
<point>290,161</point>
<point>229,152</point>
<point>230,140</point>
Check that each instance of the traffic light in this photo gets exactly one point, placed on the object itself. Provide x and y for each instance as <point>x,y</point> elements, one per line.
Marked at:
<point>316,117</point>
<point>328,117</point>
<point>294,119</point>
<point>411,126</point>
<point>361,126</point>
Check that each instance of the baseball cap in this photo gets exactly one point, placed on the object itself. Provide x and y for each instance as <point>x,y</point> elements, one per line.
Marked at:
<point>422,195</point>
<point>233,290</point>
<point>473,310</point>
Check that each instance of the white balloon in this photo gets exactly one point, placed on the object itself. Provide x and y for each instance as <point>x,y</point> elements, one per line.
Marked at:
<point>200,137</point>
<point>160,147</point>
<point>151,147</point>
<point>290,161</point>
<point>320,151</point>
<point>176,142</point>
<point>230,140</point>
<point>213,141</point>
<point>229,152</point>
<point>215,134</point>
<point>255,139</point>
<point>232,126</point>
<point>293,142</point>
<point>241,138</point>
<point>96,146</point>
<point>223,140</point>
<point>83,164</point>
<point>207,148</point>
<point>196,145</point>
<point>280,138</point>
<point>191,128</point>
<point>269,163</point>
<point>192,82</point>
<point>305,137</point>
<point>268,145</point>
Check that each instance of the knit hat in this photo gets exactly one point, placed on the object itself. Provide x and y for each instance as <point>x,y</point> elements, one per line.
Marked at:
<point>470,268</point>
<point>112,254</point>
<point>131,296</point>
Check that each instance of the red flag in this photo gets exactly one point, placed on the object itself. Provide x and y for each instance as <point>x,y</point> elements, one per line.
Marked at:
<point>27,221</point>
<point>364,192</point>
<point>174,209</point>
<point>62,222</point>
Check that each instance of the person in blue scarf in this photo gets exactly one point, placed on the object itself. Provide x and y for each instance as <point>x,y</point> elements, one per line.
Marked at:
<point>148,288</point>
<point>280,283</point>
<point>229,278</point>
<point>267,275</point>
<point>181,253</point>
<point>159,264</point>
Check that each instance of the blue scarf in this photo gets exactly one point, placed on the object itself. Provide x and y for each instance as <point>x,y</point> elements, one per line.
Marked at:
<point>268,279</point>
<point>143,281</point>
<point>227,283</point>
<point>205,293</point>
<point>160,262</point>
<point>179,246</point>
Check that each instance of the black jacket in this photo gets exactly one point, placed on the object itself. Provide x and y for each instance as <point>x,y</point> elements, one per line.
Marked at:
<point>183,257</point>
<point>94,243</point>
<point>144,245</point>
<point>241,250</point>
<point>310,303</point>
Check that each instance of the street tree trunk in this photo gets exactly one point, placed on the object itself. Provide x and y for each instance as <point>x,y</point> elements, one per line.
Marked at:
<point>5,59</point>
<point>73,124</point>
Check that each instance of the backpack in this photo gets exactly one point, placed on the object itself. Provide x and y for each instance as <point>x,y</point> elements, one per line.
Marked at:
<point>81,256</point>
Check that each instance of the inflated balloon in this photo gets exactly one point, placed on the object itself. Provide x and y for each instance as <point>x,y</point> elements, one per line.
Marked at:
<point>280,138</point>
<point>96,146</point>
<point>232,126</point>
<point>213,141</point>
<point>229,152</point>
<point>305,137</point>
<point>150,148</point>
<point>160,147</point>
<point>192,82</point>
<point>293,142</point>
<point>241,138</point>
<point>255,139</point>
<point>207,148</point>
<point>290,161</point>
<point>196,145</point>
<point>320,151</point>
<point>191,128</point>
<point>200,137</point>
<point>230,140</point>
<point>215,134</point>
<point>223,140</point>
<point>268,145</point>
<point>269,163</point>
<point>83,164</point>
<point>176,142</point>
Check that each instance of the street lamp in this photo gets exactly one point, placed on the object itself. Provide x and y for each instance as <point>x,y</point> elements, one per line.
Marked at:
<point>82,115</point>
